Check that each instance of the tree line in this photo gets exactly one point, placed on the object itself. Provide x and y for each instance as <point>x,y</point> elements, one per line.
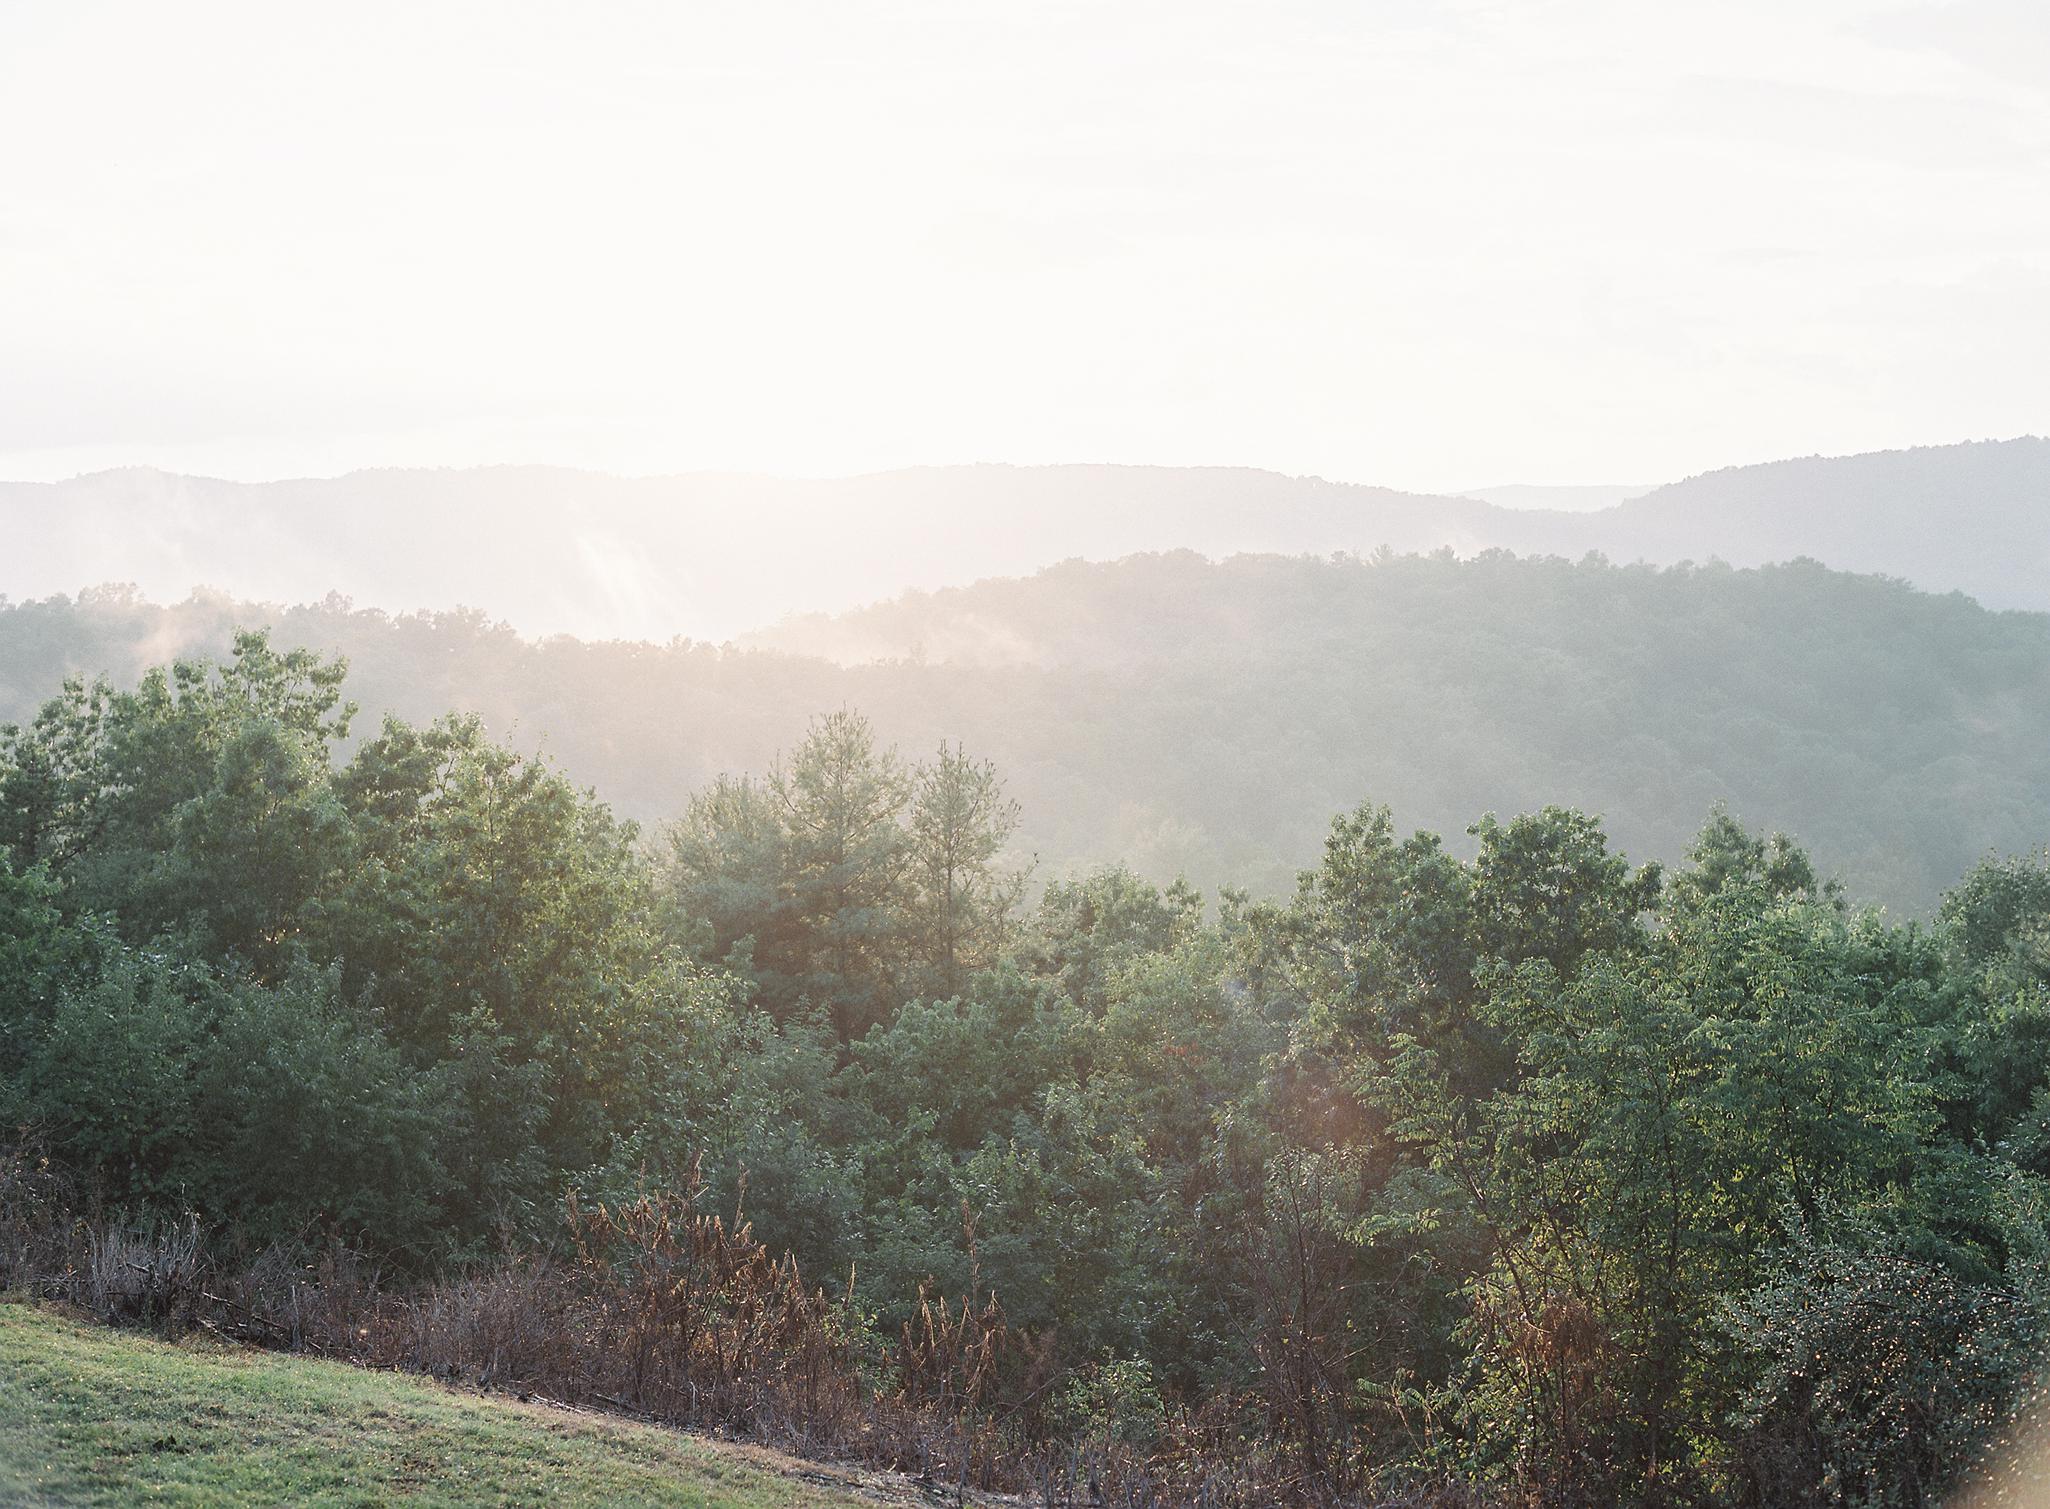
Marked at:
<point>1525,1173</point>
<point>1205,719</point>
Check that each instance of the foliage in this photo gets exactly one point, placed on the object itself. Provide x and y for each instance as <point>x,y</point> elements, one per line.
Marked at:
<point>1200,718</point>
<point>1520,1171</point>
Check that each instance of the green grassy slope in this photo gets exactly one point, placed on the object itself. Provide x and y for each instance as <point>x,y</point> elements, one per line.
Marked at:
<point>92,1416</point>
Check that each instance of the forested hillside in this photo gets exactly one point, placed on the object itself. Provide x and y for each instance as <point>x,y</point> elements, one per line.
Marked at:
<point>1544,1177</point>
<point>1970,517</point>
<point>1206,719</point>
<point>712,556</point>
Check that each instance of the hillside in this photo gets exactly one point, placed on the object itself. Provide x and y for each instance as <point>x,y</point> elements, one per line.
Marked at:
<point>1975,518</point>
<point>93,1416</point>
<point>708,556</point>
<point>1209,718</point>
<point>712,556</point>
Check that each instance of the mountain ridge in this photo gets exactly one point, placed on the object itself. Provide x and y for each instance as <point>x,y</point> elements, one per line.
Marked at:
<point>715,555</point>
<point>1207,718</point>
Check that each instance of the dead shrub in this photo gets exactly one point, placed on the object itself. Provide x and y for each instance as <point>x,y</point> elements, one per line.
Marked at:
<point>660,1308</point>
<point>40,1233</point>
<point>147,1274</point>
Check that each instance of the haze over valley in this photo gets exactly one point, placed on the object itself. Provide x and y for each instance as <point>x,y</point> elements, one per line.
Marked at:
<point>1189,716</point>
<point>1176,755</point>
<point>714,557</point>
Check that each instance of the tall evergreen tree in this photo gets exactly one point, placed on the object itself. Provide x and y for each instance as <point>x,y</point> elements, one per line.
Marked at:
<point>729,890</point>
<point>842,800</point>
<point>961,897</point>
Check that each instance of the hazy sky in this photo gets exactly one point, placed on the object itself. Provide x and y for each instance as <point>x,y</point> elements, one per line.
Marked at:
<point>1429,245</point>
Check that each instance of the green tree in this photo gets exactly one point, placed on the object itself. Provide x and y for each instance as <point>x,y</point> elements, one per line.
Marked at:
<point>199,799</point>
<point>729,888</point>
<point>53,777</point>
<point>842,799</point>
<point>1546,886</point>
<point>499,917</point>
<point>961,899</point>
<point>1085,929</point>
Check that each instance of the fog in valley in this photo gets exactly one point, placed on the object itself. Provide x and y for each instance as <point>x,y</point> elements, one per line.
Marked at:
<point>714,558</point>
<point>778,754</point>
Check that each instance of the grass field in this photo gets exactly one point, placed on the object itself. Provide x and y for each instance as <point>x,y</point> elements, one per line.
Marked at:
<point>93,1416</point>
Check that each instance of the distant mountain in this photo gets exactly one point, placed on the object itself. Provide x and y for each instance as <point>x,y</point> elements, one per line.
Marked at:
<point>1209,719</point>
<point>710,556</point>
<point>704,556</point>
<point>1972,518</point>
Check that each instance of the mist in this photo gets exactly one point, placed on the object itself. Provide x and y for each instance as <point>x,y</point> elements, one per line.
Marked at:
<point>716,558</point>
<point>1155,756</point>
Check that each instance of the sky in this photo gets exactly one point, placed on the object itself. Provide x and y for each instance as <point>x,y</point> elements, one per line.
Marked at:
<point>1437,246</point>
